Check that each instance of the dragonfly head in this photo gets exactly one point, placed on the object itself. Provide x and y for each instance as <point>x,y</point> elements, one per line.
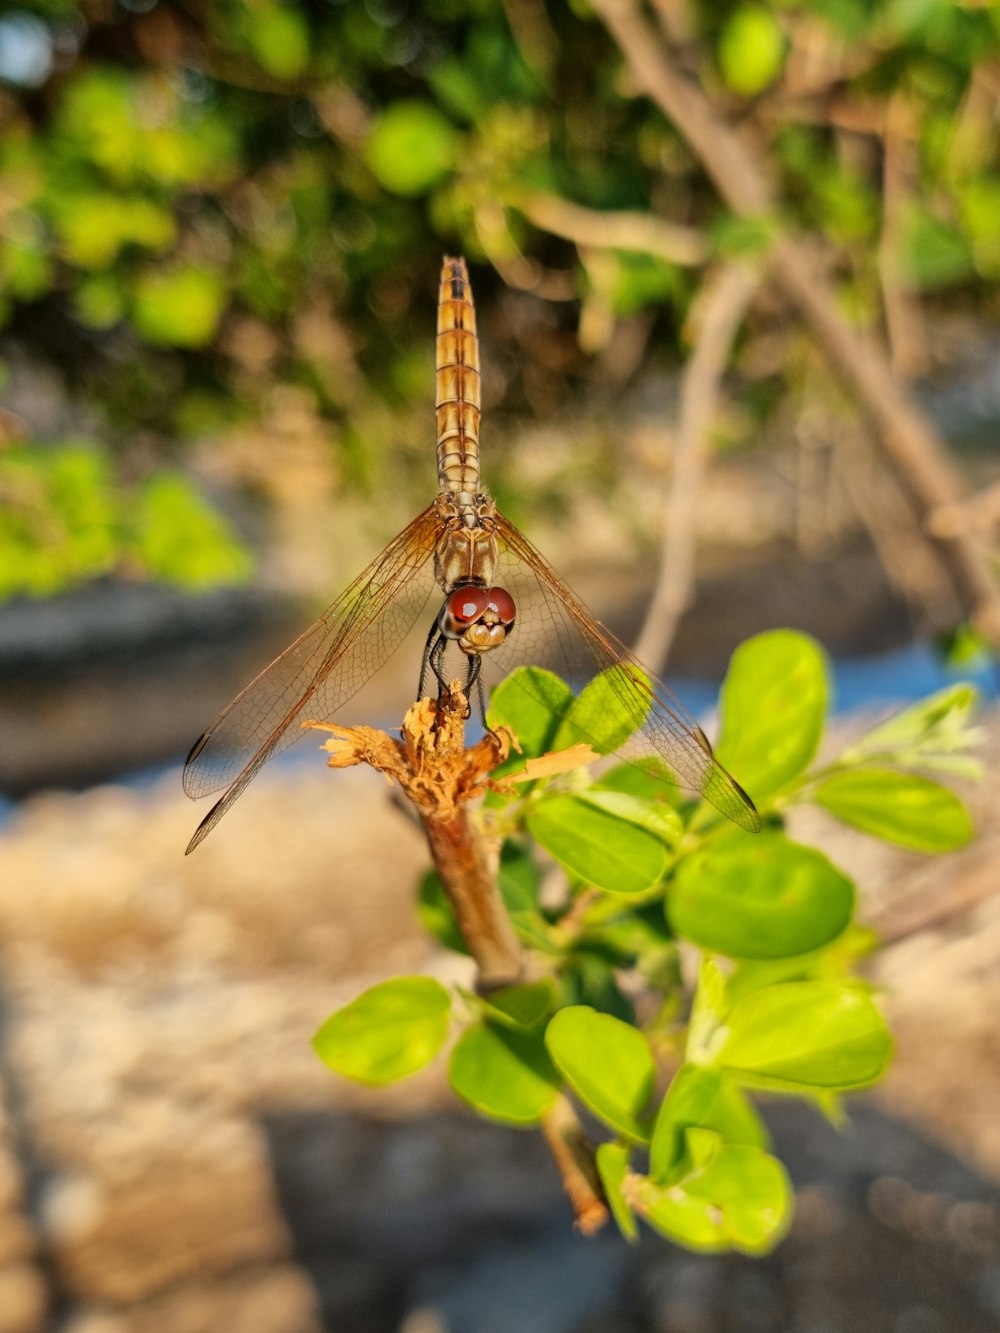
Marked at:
<point>477,618</point>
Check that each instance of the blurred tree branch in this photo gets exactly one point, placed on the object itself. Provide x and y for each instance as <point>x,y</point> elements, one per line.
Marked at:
<point>741,176</point>
<point>722,306</point>
<point>614,230</point>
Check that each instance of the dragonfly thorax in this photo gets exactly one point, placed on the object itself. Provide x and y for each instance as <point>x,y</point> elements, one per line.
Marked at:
<point>477,618</point>
<point>466,551</point>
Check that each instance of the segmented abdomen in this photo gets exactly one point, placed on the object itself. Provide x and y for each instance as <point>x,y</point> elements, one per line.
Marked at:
<point>458,400</point>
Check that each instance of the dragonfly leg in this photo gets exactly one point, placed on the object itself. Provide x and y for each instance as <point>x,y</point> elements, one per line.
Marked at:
<point>426,661</point>
<point>435,658</point>
<point>474,681</point>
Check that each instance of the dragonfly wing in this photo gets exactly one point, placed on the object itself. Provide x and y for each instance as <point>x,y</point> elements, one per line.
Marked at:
<point>319,672</point>
<point>555,629</point>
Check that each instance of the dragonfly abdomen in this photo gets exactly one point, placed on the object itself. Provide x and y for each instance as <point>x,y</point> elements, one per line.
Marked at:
<point>458,400</point>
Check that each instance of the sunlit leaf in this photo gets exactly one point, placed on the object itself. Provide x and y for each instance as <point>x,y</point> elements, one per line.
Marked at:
<point>700,1097</point>
<point>759,896</point>
<point>902,808</point>
<point>804,1036</point>
<point>388,1032</point>
<point>598,847</point>
<point>739,1198</point>
<point>774,702</point>
<point>411,147</point>
<point>607,1063</point>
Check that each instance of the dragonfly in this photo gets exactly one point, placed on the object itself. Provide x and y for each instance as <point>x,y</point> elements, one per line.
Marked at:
<point>503,606</point>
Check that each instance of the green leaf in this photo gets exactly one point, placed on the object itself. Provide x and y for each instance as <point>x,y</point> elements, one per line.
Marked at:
<point>654,816</point>
<point>532,703</point>
<point>902,808</point>
<point>934,733</point>
<point>806,1036</point>
<point>503,1074</point>
<point>411,147</point>
<point>607,1063</point>
<point>751,50</point>
<point>734,1197</point>
<point>279,38</point>
<point>178,307</point>
<point>598,847</point>
<point>708,1011</point>
<point>931,254</point>
<point>612,1161</point>
<point>179,538</point>
<point>523,1006</point>
<point>758,896</point>
<point>700,1097</point>
<point>389,1031</point>
<point>604,716</point>
<point>774,702</point>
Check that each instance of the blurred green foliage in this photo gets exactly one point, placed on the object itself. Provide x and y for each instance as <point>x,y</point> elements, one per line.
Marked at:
<point>66,518</point>
<point>173,177</point>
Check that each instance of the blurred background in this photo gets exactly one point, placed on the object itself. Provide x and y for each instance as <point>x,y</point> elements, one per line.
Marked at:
<point>736,269</point>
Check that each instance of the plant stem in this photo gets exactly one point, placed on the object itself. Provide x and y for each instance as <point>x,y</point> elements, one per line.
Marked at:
<point>462,860</point>
<point>574,1155</point>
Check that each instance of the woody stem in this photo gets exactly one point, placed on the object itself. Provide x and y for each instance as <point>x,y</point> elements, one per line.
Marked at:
<point>461,857</point>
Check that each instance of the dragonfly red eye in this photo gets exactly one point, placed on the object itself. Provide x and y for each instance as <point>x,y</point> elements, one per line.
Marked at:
<point>503,604</point>
<point>468,604</point>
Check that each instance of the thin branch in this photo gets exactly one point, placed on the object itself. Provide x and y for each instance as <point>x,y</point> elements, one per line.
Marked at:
<point>723,305</point>
<point>904,316</point>
<point>574,1156</point>
<point>613,230</point>
<point>742,180</point>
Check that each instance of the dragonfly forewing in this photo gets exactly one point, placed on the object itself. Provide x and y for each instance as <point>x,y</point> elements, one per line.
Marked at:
<point>317,674</point>
<point>555,629</point>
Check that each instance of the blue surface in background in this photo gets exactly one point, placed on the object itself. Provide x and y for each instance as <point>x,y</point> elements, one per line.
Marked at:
<point>883,683</point>
<point>879,684</point>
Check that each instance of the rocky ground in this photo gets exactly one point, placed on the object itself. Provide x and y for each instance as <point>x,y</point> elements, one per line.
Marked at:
<point>173,1158</point>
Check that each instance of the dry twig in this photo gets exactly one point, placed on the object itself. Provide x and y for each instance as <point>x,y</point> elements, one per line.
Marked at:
<point>441,777</point>
<point>724,303</point>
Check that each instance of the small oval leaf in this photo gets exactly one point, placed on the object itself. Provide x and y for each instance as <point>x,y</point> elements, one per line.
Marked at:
<point>774,702</point>
<point>806,1036</point>
<point>503,1074</point>
<point>759,896</point>
<point>607,1063</point>
<point>389,1031</point>
<point>596,846</point>
<point>532,702</point>
<point>602,715</point>
<point>736,1197</point>
<point>901,808</point>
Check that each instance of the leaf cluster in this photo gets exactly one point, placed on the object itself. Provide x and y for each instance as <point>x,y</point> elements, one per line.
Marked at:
<point>203,202</point>
<point>65,518</point>
<point>684,964</point>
